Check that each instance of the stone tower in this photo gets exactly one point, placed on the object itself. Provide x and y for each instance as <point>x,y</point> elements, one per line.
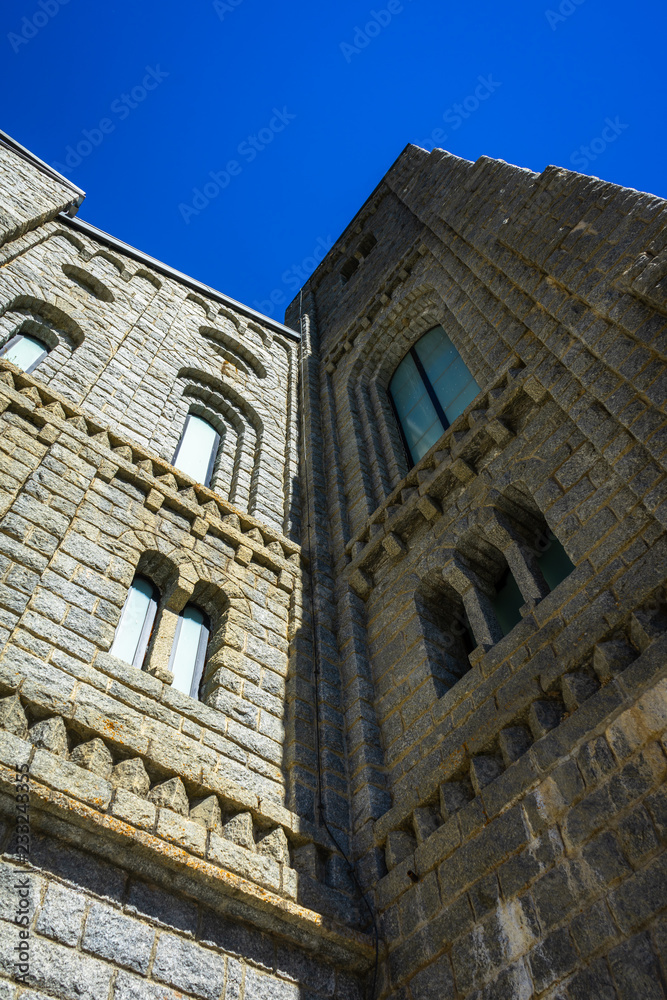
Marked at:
<point>493,588</point>
<point>304,649</point>
<point>173,843</point>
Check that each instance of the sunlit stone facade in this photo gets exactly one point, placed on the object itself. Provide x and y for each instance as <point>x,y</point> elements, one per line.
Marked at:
<point>422,695</point>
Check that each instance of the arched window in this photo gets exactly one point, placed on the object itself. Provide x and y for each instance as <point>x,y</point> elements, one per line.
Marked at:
<point>430,388</point>
<point>539,563</point>
<point>197,449</point>
<point>446,634</point>
<point>136,622</point>
<point>508,602</point>
<point>554,561</point>
<point>24,351</point>
<point>188,654</point>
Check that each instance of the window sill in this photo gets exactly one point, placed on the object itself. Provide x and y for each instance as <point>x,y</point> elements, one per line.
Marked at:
<point>451,465</point>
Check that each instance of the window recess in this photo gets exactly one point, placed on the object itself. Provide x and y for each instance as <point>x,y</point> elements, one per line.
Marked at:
<point>25,352</point>
<point>430,388</point>
<point>137,619</point>
<point>198,449</point>
<point>188,654</point>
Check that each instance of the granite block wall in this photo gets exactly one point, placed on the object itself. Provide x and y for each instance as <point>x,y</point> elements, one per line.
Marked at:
<point>551,288</point>
<point>97,932</point>
<point>175,846</point>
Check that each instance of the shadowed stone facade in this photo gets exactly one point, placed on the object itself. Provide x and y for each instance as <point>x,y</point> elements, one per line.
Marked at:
<point>504,807</point>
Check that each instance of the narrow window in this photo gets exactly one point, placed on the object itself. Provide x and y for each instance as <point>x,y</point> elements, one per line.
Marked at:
<point>367,245</point>
<point>445,633</point>
<point>430,388</point>
<point>461,628</point>
<point>197,449</point>
<point>554,562</point>
<point>348,269</point>
<point>188,655</point>
<point>508,602</point>
<point>136,622</point>
<point>25,352</point>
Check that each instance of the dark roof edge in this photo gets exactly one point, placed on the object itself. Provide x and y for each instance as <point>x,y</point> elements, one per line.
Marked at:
<point>26,154</point>
<point>170,272</point>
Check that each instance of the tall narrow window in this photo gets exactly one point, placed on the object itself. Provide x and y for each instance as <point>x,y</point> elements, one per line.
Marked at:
<point>136,622</point>
<point>188,655</point>
<point>430,388</point>
<point>24,351</point>
<point>445,634</point>
<point>508,602</point>
<point>555,562</point>
<point>197,449</point>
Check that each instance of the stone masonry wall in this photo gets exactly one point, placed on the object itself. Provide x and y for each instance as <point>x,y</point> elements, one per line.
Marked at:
<point>198,808</point>
<point>509,837</point>
<point>505,808</point>
<point>140,351</point>
<point>97,932</point>
<point>30,197</point>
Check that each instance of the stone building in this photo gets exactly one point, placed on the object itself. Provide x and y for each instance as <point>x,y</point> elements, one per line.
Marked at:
<point>334,653</point>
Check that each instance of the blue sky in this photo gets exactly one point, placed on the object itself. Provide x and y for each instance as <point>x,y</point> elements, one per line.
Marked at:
<point>298,110</point>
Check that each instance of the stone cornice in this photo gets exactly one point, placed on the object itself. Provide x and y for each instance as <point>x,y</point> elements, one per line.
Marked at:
<point>88,825</point>
<point>161,483</point>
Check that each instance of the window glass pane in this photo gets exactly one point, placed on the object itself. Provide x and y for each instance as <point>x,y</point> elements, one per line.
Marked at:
<point>507,602</point>
<point>436,351</point>
<point>407,387</point>
<point>458,404</point>
<point>196,448</point>
<point>416,412</point>
<point>426,440</point>
<point>453,384</point>
<point>132,620</point>
<point>25,352</point>
<point>555,563</point>
<point>184,658</point>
